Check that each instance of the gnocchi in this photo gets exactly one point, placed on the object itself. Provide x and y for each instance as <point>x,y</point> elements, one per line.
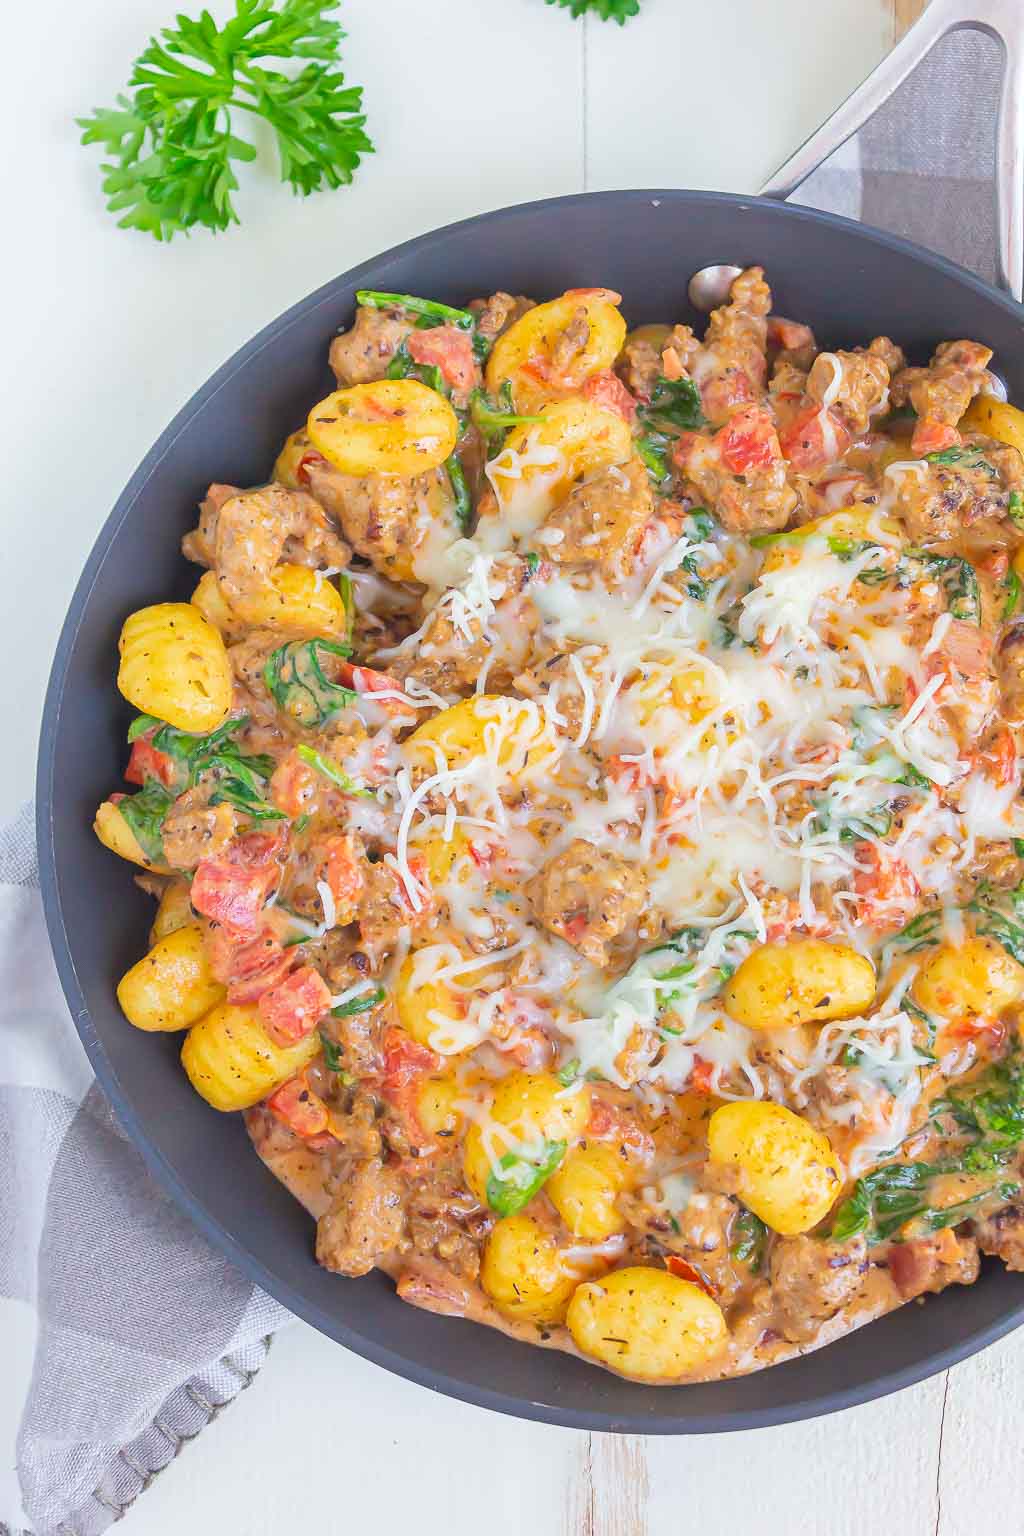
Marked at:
<point>537,356</point>
<point>804,981</point>
<point>511,732</point>
<point>996,418</point>
<point>540,463</point>
<point>391,427</point>
<point>976,977</point>
<point>296,598</point>
<point>584,1189</point>
<point>231,1061</point>
<point>646,1323</point>
<point>174,912</point>
<point>523,1272</point>
<point>172,986</point>
<point>115,833</point>
<point>531,1116</point>
<point>174,665</point>
<point>785,1171</point>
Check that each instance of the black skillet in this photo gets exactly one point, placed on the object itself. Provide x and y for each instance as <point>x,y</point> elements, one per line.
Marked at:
<point>849,283</point>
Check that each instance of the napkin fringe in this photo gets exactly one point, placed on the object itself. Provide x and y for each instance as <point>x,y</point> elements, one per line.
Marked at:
<point>136,1465</point>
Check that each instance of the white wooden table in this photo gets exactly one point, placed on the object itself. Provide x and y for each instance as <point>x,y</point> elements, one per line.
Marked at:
<point>105,336</point>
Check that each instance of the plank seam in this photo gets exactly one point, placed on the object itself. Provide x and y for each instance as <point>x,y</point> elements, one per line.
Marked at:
<point>938,1459</point>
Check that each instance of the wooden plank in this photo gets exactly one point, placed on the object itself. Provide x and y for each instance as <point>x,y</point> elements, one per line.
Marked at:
<point>872,1468</point>
<point>981,1476</point>
<point>904,14</point>
<point>324,1441</point>
<point>661,113</point>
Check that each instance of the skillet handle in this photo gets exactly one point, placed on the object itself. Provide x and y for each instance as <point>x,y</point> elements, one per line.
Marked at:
<point>1001,19</point>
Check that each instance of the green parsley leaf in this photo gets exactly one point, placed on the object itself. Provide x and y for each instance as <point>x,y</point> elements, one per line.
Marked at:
<point>170,146</point>
<point>608,10</point>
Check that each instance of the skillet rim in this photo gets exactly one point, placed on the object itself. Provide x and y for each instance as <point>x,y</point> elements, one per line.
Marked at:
<point>189,1201</point>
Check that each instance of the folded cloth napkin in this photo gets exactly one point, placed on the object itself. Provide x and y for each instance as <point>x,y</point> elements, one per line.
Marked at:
<point>122,1332</point>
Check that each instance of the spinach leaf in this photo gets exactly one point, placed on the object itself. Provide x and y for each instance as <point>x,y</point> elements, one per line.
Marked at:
<point>298,685</point>
<point>920,933</point>
<point>430,309</point>
<point>1012,595</point>
<point>958,580</point>
<point>967,458</point>
<point>993,923</point>
<point>675,401</point>
<point>361,1004</point>
<point>749,1237</point>
<point>652,448</point>
<point>701,524</point>
<point>519,1175</point>
<point>460,491</point>
<point>493,418</point>
<point>568,1074</point>
<point>402,366</point>
<point>331,771</point>
<point>145,813</point>
<point>1015,508</point>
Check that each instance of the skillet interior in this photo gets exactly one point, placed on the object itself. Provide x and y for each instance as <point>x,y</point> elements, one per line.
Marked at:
<point>847,282</point>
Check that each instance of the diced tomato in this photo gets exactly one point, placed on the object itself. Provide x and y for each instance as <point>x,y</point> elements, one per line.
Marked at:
<point>299,1108</point>
<point>722,396</point>
<point>291,1010</point>
<point>146,762</point>
<point>447,348</point>
<point>574,928</point>
<point>248,968</point>
<point>788,335</point>
<point>427,899</point>
<point>815,438</point>
<point>227,892</point>
<point>294,786</point>
<point>989,1034</point>
<point>702,1076</point>
<point>748,441</point>
<point>607,389</point>
<point>685,1271</point>
<point>605,295</point>
<point>483,854</point>
<point>611,1122</point>
<point>933,437</point>
<point>366,681</point>
<point>887,890</point>
<point>343,872</point>
<point>1000,757</point>
<point>256,849</point>
<point>996,564</point>
<point>965,649</point>
<point>406,1064</point>
<point>629,776</point>
<point>915,1265</point>
<point>305,464</point>
<point>671,365</point>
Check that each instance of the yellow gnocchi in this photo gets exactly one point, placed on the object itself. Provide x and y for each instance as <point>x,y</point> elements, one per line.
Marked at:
<point>531,1114</point>
<point>174,665</point>
<point>512,732</point>
<point>215,608</point>
<point>431,1011</point>
<point>804,981</point>
<point>115,833</point>
<point>298,599</point>
<point>172,986</point>
<point>173,912</point>
<point>527,355</point>
<point>646,1323</point>
<point>784,1170</point>
<point>996,418</point>
<point>437,1106</point>
<point>390,427</point>
<point>231,1061</point>
<point>976,977</point>
<point>584,1189</point>
<point>523,1272</point>
<point>539,464</point>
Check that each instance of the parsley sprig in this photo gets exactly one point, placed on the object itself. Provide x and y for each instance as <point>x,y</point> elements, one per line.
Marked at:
<point>170,144</point>
<point>608,10</point>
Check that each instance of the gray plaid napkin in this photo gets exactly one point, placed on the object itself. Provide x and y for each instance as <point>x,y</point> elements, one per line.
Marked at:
<point>122,1333</point>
